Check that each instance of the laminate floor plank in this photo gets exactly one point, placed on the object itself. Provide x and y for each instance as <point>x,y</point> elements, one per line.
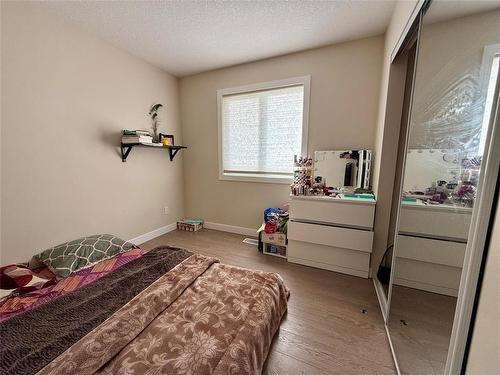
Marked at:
<point>333,324</point>
<point>281,364</point>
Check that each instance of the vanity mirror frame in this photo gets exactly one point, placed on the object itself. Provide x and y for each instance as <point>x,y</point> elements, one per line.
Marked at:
<point>478,236</point>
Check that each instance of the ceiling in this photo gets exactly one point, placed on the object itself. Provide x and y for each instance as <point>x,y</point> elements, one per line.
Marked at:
<point>444,10</point>
<point>187,37</point>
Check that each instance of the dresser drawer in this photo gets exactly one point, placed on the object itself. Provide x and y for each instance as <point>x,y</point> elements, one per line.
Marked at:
<point>334,212</point>
<point>351,262</point>
<point>354,239</point>
<point>447,253</point>
<point>434,222</point>
<point>431,277</point>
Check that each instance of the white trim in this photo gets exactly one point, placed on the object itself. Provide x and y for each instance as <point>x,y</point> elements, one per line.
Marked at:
<point>303,80</point>
<point>475,246</point>
<point>153,234</point>
<point>409,23</point>
<point>208,225</point>
<point>230,228</point>
<point>382,299</point>
<point>393,351</point>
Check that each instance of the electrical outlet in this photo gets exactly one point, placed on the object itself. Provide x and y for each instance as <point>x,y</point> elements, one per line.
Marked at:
<point>165,210</point>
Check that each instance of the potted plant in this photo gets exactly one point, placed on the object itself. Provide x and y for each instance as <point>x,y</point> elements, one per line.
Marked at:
<point>153,114</point>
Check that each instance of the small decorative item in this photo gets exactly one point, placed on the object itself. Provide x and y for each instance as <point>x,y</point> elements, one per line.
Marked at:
<point>166,139</point>
<point>153,113</point>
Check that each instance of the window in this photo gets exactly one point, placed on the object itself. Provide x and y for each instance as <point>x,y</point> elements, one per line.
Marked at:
<point>261,128</point>
<point>492,82</point>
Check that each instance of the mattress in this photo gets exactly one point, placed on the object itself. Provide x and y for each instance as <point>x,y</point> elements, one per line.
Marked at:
<point>168,311</point>
<point>17,303</point>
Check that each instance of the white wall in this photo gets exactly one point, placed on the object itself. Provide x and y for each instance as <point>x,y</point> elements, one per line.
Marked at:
<point>65,97</point>
<point>345,81</point>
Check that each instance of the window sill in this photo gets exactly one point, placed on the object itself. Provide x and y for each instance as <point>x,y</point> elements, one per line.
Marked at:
<point>246,177</point>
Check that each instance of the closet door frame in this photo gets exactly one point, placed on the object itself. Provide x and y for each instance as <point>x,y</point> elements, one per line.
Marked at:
<point>394,112</point>
<point>478,232</point>
<point>416,34</point>
<point>468,291</point>
<point>415,29</point>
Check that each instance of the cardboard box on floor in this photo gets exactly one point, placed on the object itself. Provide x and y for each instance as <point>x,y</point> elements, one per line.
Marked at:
<point>278,239</point>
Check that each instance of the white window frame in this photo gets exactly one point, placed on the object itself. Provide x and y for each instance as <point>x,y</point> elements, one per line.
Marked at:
<point>282,83</point>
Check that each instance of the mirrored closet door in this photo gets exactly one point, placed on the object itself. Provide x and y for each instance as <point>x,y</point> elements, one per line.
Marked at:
<point>458,54</point>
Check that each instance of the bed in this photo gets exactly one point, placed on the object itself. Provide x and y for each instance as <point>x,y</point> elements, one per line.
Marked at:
<point>166,311</point>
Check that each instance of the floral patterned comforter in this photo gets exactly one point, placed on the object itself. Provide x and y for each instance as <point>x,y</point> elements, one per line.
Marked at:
<point>201,317</point>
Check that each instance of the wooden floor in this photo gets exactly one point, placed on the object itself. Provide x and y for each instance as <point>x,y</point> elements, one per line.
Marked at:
<point>333,324</point>
<point>420,324</point>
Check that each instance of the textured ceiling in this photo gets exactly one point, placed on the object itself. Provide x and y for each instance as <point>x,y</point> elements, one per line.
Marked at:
<point>187,37</point>
<point>444,10</point>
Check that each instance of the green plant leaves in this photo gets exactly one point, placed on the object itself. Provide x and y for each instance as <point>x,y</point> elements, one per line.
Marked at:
<point>154,109</point>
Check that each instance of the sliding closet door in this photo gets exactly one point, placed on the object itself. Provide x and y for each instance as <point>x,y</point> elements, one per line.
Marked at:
<point>408,58</point>
<point>456,74</point>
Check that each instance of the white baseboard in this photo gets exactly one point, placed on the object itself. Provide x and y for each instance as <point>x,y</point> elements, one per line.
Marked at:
<point>153,234</point>
<point>209,225</point>
<point>231,229</point>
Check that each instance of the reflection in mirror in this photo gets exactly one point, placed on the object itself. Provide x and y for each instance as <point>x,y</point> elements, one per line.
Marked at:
<point>457,71</point>
<point>344,168</point>
<point>406,59</point>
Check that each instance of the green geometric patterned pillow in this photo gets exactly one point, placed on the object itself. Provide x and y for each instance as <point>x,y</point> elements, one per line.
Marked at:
<point>71,256</point>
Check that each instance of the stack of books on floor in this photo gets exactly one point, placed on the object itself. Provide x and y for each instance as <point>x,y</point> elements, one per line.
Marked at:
<point>136,136</point>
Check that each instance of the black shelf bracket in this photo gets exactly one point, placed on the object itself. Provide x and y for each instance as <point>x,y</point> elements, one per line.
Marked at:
<point>172,153</point>
<point>125,151</point>
<point>126,148</point>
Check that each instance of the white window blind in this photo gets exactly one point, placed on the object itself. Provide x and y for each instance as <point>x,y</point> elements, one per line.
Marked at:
<point>262,131</point>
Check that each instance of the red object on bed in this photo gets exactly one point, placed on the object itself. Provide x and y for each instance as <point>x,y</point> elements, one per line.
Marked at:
<point>17,303</point>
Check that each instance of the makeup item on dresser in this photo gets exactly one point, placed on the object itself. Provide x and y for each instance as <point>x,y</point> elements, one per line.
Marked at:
<point>302,175</point>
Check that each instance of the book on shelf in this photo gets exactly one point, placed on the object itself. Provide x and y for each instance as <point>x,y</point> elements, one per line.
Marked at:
<point>126,132</point>
<point>137,139</point>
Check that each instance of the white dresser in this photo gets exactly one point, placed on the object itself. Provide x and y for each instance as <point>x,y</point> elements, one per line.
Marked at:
<point>431,247</point>
<point>335,234</point>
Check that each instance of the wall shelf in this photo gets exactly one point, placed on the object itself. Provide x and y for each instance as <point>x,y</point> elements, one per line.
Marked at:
<point>127,147</point>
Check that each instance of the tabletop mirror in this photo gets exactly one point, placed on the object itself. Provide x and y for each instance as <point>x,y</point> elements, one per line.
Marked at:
<point>344,168</point>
